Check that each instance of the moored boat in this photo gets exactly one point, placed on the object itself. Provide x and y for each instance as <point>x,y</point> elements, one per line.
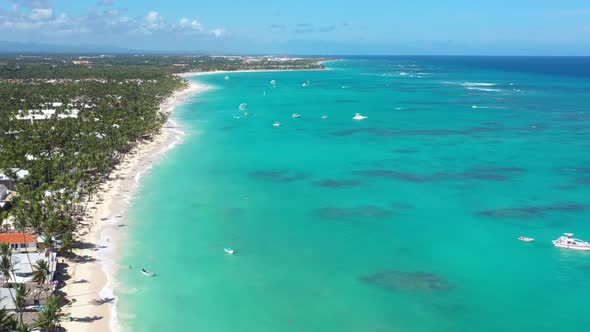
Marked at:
<point>229,250</point>
<point>526,239</point>
<point>296,116</point>
<point>568,241</point>
<point>276,124</point>
<point>148,273</point>
<point>358,117</point>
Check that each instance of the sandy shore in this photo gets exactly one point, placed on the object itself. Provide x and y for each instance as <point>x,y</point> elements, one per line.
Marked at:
<point>92,278</point>
<point>213,72</point>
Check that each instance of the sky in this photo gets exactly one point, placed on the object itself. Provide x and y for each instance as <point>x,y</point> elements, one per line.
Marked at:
<point>318,27</point>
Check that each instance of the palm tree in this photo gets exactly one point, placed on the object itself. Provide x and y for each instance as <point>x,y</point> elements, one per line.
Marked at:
<point>5,250</point>
<point>19,300</point>
<point>48,318</point>
<point>6,270</point>
<point>7,322</point>
<point>40,271</point>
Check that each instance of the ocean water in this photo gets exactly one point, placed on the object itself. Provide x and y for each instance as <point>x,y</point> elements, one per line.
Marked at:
<point>406,221</point>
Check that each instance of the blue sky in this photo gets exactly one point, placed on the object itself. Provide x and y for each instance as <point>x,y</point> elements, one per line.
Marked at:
<point>519,27</point>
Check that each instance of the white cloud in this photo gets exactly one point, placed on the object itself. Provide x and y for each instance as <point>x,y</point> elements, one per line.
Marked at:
<point>153,17</point>
<point>38,16</point>
<point>154,21</point>
<point>41,13</point>
<point>217,32</point>
<point>194,24</point>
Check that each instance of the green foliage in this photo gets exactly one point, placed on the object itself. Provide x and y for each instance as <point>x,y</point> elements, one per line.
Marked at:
<point>48,318</point>
<point>7,322</point>
<point>41,271</point>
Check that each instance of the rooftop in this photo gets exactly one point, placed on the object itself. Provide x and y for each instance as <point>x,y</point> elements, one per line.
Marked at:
<point>17,238</point>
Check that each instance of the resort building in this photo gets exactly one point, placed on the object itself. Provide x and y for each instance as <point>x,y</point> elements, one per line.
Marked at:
<point>5,197</point>
<point>20,242</point>
<point>23,269</point>
<point>10,181</point>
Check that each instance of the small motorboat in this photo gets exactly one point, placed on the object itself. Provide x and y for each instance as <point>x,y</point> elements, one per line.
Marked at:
<point>276,124</point>
<point>296,116</point>
<point>359,117</point>
<point>148,273</point>
<point>324,117</point>
<point>243,106</point>
<point>273,83</point>
<point>567,241</point>
<point>305,84</point>
<point>526,239</point>
<point>229,250</point>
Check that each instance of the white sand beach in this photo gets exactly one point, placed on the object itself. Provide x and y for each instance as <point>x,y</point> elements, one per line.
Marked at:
<point>202,73</point>
<point>92,277</point>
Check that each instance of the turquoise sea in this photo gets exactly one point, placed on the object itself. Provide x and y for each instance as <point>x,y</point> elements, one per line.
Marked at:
<point>406,221</point>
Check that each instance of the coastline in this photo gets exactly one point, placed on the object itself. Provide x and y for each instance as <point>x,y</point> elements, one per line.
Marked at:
<point>213,72</point>
<point>92,278</point>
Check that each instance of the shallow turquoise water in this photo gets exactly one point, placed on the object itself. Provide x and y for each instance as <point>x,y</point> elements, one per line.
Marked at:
<point>406,221</point>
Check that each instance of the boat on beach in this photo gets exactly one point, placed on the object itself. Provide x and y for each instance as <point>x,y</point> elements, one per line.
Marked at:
<point>567,241</point>
<point>148,273</point>
<point>526,239</point>
<point>359,117</point>
<point>229,250</point>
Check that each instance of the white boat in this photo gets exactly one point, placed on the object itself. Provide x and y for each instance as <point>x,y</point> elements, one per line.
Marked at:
<point>273,82</point>
<point>243,106</point>
<point>567,241</point>
<point>359,117</point>
<point>276,124</point>
<point>296,116</point>
<point>305,84</point>
<point>525,239</point>
<point>227,78</point>
<point>324,116</point>
<point>148,273</point>
<point>229,250</point>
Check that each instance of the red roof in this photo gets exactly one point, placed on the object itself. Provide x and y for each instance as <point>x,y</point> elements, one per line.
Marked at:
<point>17,238</point>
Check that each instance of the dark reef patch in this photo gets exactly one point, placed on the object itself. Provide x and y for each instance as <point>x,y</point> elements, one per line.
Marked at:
<point>406,151</point>
<point>407,281</point>
<point>367,211</point>
<point>532,211</point>
<point>440,176</point>
<point>337,183</point>
<point>279,176</point>
<point>574,169</point>
<point>583,180</point>
<point>346,101</point>
<point>417,132</point>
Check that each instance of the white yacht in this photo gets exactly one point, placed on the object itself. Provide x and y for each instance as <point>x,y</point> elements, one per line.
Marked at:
<point>567,241</point>
<point>296,116</point>
<point>359,117</point>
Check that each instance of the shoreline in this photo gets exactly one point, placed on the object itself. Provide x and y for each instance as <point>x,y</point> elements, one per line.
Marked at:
<point>102,233</point>
<point>213,72</point>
